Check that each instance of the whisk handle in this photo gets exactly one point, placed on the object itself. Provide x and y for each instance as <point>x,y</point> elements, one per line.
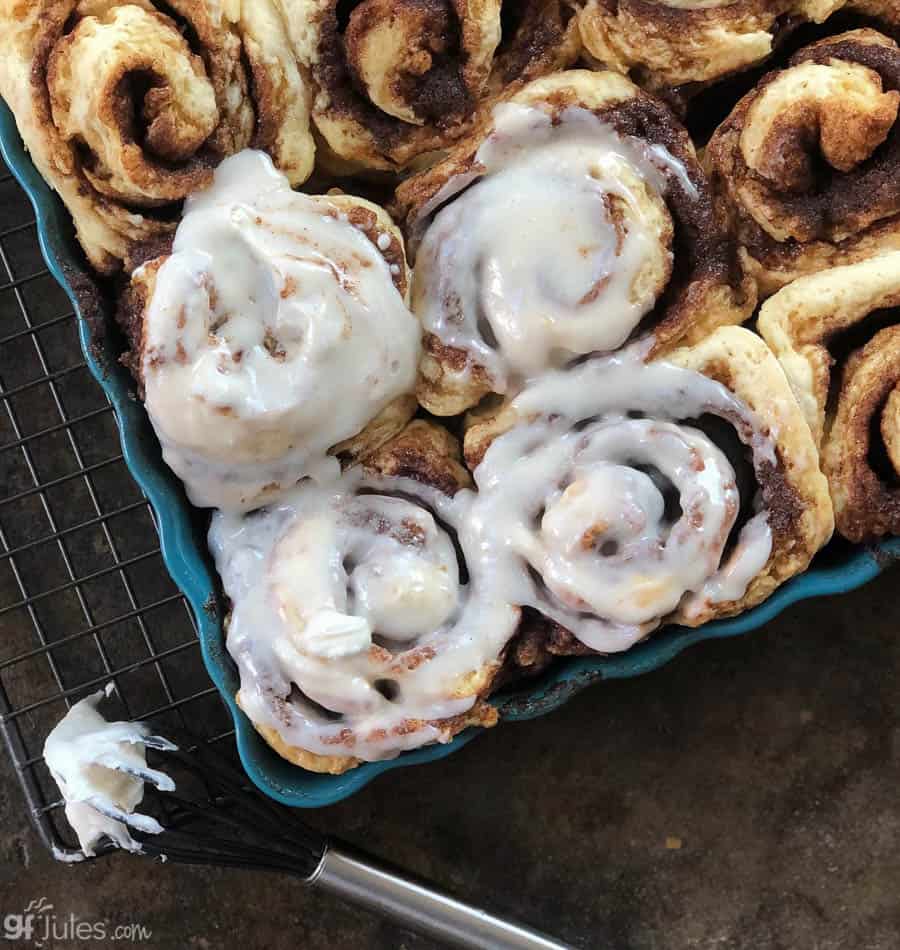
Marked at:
<point>421,908</point>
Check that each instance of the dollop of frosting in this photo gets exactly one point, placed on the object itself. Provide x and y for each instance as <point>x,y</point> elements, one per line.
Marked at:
<point>558,246</point>
<point>100,768</point>
<point>275,331</point>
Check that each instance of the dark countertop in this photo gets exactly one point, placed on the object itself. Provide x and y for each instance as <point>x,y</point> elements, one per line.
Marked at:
<point>745,796</point>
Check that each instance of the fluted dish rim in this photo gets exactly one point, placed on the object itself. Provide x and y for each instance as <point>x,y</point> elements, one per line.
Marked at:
<point>182,532</point>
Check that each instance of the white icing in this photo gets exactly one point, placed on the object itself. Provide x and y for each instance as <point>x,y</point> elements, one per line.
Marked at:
<point>100,768</point>
<point>275,332</point>
<point>731,581</point>
<point>353,628</point>
<point>344,589</point>
<point>558,249</point>
<point>571,519</point>
<point>352,593</point>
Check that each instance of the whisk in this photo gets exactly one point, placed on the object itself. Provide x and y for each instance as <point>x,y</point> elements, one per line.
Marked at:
<point>214,817</point>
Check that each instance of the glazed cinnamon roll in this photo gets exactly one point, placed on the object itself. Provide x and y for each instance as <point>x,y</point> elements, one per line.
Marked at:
<point>126,107</point>
<point>394,79</point>
<point>808,163</point>
<point>358,628</point>
<point>837,335</point>
<point>669,43</point>
<point>273,337</point>
<point>576,218</point>
<point>643,493</point>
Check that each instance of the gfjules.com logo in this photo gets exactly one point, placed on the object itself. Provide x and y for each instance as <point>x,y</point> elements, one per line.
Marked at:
<point>40,926</point>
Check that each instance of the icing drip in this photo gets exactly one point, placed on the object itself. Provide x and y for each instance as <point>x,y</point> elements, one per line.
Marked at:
<point>609,523</point>
<point>558,249</point>
<point>275,331</point>
<point>351,627</point>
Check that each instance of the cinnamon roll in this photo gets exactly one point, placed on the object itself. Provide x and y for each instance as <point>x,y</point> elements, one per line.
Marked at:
<point>808,163</point>
<point>358,629</point>
<point>576,218</point>
<point>126,107</point>
<point>669,43</point>
<point>273,337</point>
<point>837,334</point>
<point>395,79</point>
<point>679,490</point>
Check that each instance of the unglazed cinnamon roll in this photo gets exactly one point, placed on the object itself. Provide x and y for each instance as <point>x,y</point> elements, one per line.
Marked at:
<point>274,336</point>
<point>357,629</point>
<point>808,163</point>
<point>618,495</point>
<point>837,335</point>
<point>126,107</point>
<point>669,43</point>
<point>574,219</point>
<point>395,79</point>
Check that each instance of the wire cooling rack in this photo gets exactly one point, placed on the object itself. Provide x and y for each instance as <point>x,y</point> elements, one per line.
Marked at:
<point>84,595</point>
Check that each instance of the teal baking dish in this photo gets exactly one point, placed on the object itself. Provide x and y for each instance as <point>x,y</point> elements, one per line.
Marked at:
<point>182,531</point>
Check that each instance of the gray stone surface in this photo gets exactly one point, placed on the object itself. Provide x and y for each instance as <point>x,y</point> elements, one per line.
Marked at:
<point>743,797</point>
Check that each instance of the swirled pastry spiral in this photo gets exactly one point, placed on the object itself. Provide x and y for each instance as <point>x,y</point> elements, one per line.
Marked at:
<point>394,79</point>
<point>608,502</point>
<point>669,43</point>
<point>358,630</point>
<point>808,163</point>
<point>837,334</point>
<point>127,106</point>
<point>274,332</point>
<point>574,219</point>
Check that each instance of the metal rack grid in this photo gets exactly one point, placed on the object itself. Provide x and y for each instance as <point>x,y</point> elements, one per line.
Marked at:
<point>85,598</point>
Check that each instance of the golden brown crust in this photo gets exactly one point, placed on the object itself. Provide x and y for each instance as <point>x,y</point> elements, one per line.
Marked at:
<point>311,761</point>
<point>794,491</point>
<point>403,78</point>
<point>126,107</point>
<point>667,43</point>
<point>803,323</point>
<point>384,427</point>
<point>708,288</point>
<point>440,390</point>
<point>130,310</point>
<point>482,714</point>
<point>866,505</point>
<point>425,452</point>
<point>807,163</point>
<point>376,223</point>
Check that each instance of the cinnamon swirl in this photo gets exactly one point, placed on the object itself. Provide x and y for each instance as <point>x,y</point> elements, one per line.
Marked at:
<point>127,106</point>
<point>575,218</point>
<point>669,43</point>
<point>358,630</point>
<point>808,163</point>
<point>394,79</point>
<point>643,493</point>
<point>837,334</point>
<point>274,336</point>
